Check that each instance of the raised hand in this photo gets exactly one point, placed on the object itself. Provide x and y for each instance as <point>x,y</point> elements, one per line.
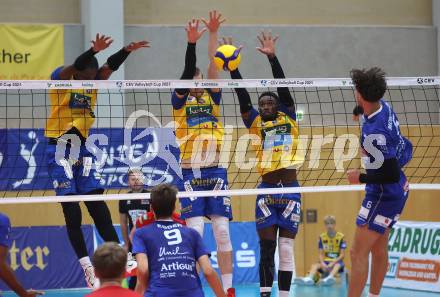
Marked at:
<point>267,43</point>
<point>137,45</point>
<point>101,42</point>
<point>192,31</point>
<point>228,41</point>
<point>215,20</point>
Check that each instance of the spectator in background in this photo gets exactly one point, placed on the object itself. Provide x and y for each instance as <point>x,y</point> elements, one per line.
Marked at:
<point>332,247</point>
<point>131,210</point>
<point>109,261</point>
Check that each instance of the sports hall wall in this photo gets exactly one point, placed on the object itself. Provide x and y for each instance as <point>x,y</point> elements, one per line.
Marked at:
<point>397,35</point>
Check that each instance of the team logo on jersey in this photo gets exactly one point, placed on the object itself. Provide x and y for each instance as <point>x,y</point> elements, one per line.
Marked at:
<point>191,99</point>
<point>80,101</point>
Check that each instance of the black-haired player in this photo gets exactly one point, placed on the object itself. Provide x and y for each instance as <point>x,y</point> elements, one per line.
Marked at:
<point>275,124</point>
<point>71,117</point>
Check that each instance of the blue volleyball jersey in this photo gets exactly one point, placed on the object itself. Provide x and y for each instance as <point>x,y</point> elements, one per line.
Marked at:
<point>5,231</point>
<point>172,251</point>
<point>381,135</point>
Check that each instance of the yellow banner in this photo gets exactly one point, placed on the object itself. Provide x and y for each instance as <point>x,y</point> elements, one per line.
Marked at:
<point>30,51</point>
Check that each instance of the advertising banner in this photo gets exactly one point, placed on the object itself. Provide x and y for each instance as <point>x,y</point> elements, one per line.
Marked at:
<point>30,52</point>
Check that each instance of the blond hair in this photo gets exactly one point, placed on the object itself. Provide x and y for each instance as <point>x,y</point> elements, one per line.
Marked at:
<point>329,219</point>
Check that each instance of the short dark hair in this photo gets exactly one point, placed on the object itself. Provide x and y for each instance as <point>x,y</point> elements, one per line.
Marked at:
<point>163,200</point>
<point>269,94</point>
<point>370,83</point>
<point>109,260</point>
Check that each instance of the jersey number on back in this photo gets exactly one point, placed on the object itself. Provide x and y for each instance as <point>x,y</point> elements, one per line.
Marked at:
<point>174,237</point>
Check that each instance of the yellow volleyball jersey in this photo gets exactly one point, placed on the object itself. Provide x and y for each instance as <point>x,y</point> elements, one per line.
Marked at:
<point>69,109</point>
<point>279,141</point>
<point>197,120</point>
<point>331,246</point>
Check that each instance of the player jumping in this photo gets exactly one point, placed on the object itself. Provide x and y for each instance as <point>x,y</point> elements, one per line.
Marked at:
<point>275,125</point>
<point>72,115</point>
<point>200,133</point>
<point>385,151</point>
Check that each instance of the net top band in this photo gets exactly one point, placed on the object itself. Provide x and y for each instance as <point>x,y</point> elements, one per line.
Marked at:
<point>221,83</point>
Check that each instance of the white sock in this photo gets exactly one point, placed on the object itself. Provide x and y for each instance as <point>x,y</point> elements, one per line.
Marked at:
<point>373,295</point>
<point>85,262</point>
<point>283,293</point>
<point>227,281</point>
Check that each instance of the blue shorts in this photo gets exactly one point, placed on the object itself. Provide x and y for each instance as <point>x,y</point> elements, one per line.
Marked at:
<point>283,210</point>
<point>213,178</point>
<point>379,212</point>
<point>75,178</point>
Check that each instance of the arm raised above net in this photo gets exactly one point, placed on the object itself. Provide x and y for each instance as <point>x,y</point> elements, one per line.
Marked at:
<point>193,35</point>
<point>116,60</point>
<point>215,20</point>
<point>100,43</point>
<point>285,96</point>
<point>268,48</point>
<point>248,112</point>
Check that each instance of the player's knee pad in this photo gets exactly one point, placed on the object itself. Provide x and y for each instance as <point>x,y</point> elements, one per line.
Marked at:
<point>285,251</point>
<point>72,214</point>
<point>197,223</point>
<point>220,226</point>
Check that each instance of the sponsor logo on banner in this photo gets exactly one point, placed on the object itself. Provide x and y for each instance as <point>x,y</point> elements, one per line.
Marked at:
<point>209,84</point>
<point>24,48</point>
<point>147,84</point>
<point>10,84</point>
<point>28,169</point>
<point>414,262</point>
<point>89,85</point>
<point>39,257</point>
<point>425,80</point>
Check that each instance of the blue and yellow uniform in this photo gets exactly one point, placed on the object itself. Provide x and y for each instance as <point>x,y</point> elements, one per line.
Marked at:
<point>277,150</point>
<point>332,247</point>
<point>72,111</point>
<point>197,120</point>
<point>384,203</point>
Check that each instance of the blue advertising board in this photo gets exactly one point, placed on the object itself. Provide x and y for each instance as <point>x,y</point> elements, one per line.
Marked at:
<point>42,257</point>
<point>23,163</point>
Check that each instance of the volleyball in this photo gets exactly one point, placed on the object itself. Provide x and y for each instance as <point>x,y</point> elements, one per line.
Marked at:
<point>227,58</point>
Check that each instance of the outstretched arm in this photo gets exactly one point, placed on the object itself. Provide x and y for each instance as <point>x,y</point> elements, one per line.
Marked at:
<point>215,20</point>
<point>268,48</point>
<point>100,43</point>
<point>193,35</point>
<point>243,96</point>
<point>247,111</point>
<point>116,60</point>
